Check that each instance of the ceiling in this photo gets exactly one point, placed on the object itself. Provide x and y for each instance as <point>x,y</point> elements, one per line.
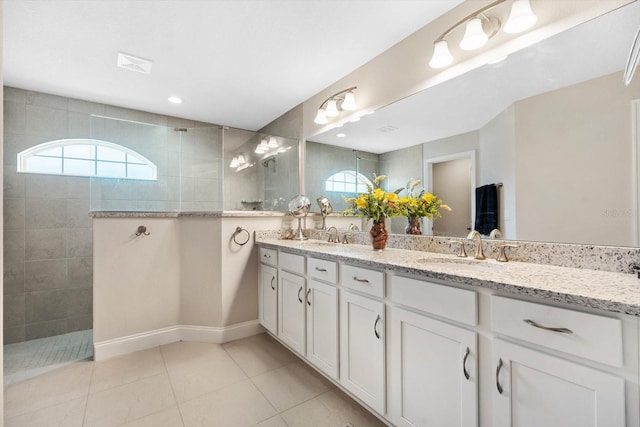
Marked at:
<point>470,101</point>
<point>239,63</point>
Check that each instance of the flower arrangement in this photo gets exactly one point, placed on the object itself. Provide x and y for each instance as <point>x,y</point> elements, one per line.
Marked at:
<point>421,204</point>
<point>375,204</point>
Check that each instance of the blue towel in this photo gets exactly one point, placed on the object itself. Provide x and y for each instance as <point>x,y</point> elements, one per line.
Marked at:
<point>486,208</point>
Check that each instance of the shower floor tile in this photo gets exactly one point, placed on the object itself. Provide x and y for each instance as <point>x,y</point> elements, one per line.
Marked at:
<point>30,358</point>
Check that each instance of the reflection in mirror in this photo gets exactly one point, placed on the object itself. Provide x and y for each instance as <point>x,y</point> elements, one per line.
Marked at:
<point>260,171</point>
<point>554,123</point>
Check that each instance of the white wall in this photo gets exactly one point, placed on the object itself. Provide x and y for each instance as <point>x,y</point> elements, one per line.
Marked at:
<point>136,279</point>
<point>496,160</point>
<point>554,123</point>
<point>187,275</point>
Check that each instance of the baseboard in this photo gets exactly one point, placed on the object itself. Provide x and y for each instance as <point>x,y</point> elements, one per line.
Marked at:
<point>132,343</point>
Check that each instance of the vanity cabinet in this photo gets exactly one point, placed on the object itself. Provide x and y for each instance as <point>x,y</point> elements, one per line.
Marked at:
<point>534,389</point>
<point>362,348</point>
<point>433,370</point>
<point>291,311</point>
<point>268,298</point>
<point>322,315</point>
<point>291,304</point>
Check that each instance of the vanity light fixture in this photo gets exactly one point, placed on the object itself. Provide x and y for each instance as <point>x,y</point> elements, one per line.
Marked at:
<point>263,147</point>
<point>273,142</point>
<point>345,100</point>
<point>480,27</point>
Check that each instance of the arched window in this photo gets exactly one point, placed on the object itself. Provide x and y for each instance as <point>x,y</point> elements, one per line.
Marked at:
<point>86,157</point>
<point>347,181</point>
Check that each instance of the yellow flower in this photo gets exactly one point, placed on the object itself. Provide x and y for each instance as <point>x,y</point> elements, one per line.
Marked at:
<point>361,202</point>
<point>392,197</point>
<point>428,197</point>
<point>379,193</point>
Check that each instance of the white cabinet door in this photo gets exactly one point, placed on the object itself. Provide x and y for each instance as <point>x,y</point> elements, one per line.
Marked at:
<point>268,298</point>
<point>362,347</point>
<point>542,390</point>
<point>291,312</point>
<point>322,327</point>
<point>434,380</point>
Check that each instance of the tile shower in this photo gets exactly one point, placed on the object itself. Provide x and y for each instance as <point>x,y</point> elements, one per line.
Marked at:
<point>48,234</point>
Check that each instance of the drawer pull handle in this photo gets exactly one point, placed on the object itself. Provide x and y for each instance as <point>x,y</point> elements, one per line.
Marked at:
<point>267,256</point>
<point>500,390</point>
<point>272,279</point>
<point>547,328</point>
<point>308,301</point>
<point>464,363</point>
<point>324,270</point>
<point>299,298</point>
<point>375,326</point>
<point>360,280</point>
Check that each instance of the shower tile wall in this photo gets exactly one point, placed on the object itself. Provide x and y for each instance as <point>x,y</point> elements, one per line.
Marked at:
<point>47,230</point>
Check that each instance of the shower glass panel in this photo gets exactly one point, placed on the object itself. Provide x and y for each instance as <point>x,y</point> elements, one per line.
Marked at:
<point>142,171</point>
<point>260,171</point>
<point>201,169</point>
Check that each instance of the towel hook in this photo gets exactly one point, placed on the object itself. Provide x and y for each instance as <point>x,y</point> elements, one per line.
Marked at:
<point>238,231</point>
<point>142,230</point>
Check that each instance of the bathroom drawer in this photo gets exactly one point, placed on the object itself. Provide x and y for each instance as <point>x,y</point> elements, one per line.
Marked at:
<point>291,262</point>
<point>445,301</point>
<point>269,256</point>
<point>323,269</point>
<point>592,337</point>
<point>363,280</point>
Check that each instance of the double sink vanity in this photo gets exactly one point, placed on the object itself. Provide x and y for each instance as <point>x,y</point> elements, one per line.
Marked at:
<point>431,339</point>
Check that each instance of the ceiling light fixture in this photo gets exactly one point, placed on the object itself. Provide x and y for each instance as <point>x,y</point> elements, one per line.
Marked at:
<point>273,142</point>
<point>345,100</point>
<point>479,28</point>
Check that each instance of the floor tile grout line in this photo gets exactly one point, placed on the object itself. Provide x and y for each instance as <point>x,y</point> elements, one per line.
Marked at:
<point>86,402</point>
<point>173,391</point>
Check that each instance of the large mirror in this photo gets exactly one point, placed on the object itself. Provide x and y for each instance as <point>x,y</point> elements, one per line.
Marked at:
<point>553,125</point>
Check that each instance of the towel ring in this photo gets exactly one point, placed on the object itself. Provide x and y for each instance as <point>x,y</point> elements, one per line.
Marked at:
<point>240,230</point>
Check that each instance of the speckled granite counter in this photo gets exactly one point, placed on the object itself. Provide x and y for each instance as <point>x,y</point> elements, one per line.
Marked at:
<point>616,292</point>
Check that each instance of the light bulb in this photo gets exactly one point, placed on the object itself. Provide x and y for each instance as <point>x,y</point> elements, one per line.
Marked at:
<point>321,117</point>
<point>441,55</point>
<point>331,109</point>
<point>234,162</point>
<point>349,103</point>
<point>273,143</point>
<point>474,35</point>
<point>241,159</point>
<point>521,17</point>
<point>258,150</point>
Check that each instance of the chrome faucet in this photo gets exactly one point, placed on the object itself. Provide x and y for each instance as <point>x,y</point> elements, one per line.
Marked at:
<point>478,238</point>
<point>331,239</point>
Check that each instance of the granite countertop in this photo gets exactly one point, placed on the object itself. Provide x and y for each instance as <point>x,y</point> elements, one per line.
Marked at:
<point>615,292</point>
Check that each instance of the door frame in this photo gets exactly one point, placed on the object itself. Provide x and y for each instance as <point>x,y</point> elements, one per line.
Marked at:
<point>428,182</point>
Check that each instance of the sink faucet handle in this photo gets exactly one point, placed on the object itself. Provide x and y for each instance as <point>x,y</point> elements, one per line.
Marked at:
<point>502,256</point>
<point>345,238</point>
<point>462,253</point>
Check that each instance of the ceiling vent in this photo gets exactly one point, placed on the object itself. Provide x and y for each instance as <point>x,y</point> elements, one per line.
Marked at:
<point>387,129</point>
<point>133,63</point>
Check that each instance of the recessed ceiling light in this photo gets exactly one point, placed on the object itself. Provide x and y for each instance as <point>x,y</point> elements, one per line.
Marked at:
<point>174,100</point>
<point>341,135</point>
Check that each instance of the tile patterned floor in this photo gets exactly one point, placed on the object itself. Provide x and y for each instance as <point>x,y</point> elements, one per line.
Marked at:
<point>250,382</point>
<point>30,358</point>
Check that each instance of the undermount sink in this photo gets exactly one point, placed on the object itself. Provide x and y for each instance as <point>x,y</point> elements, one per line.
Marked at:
<point>316,243</point>
<point>464,263</point>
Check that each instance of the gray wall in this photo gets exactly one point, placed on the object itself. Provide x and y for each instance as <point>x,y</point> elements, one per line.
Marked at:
<point>48,233</point>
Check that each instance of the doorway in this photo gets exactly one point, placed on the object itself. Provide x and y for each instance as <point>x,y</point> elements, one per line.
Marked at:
<point>452,179</point>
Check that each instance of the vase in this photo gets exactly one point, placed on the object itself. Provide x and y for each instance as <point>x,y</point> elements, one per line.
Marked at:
<point>379,235</point>
<point>414,226</point>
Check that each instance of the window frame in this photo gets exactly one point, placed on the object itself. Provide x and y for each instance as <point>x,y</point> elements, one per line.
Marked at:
<point>360,181</point>
<point>25,155</point>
